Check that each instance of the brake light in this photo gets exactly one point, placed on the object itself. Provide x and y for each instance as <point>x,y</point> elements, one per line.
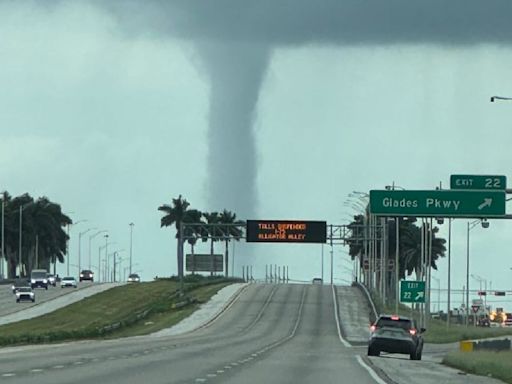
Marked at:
<point>373,328</point>
<point>395,317</point>
<point>412,331</point>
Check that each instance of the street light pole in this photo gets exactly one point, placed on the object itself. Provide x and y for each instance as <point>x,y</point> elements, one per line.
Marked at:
<point>19,250</point>
<point>131,245</point>
<point>22,207</point>
<point>2,259</point>
<point>471,225</point>
<point>80,248</point>
<point>90,239</point>
<point>106,256</point>
<point>438,293</point>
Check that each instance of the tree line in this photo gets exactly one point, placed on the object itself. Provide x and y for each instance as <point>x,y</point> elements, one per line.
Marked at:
<point>409,246</point>
<point>43,239</point>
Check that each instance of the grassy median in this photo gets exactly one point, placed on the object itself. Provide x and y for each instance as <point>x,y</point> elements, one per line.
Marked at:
<point>132,309</point>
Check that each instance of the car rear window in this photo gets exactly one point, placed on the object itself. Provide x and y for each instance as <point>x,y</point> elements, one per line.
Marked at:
<point>400,323</point>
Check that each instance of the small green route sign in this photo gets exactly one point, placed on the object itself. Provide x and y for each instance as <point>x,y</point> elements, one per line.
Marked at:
<point>438,203</point>
<point>485,182</point>
<point>412,291</point>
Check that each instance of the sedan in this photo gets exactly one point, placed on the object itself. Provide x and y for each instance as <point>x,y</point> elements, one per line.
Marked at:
<point>134,278</point>
<point>69,281</point>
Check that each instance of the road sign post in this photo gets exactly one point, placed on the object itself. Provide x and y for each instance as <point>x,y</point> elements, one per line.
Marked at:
<point>412,291</point>
<point>438,203</point>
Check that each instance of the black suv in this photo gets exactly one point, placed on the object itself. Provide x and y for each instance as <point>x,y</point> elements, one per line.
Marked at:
<point>395,334</point>
<point>86,275</point>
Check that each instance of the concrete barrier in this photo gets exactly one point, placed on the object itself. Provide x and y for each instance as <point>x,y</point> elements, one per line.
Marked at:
<point>485,345</point>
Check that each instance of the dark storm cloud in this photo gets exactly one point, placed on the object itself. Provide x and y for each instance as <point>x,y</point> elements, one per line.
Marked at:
<point>283,22</point>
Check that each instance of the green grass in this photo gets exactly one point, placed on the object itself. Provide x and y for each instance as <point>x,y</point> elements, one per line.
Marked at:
<point>438,332</point>
<point>483,363</point>
<point>132,309</point>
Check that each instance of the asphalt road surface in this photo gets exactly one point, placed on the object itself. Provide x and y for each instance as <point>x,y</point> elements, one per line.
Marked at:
<point>269,334</point>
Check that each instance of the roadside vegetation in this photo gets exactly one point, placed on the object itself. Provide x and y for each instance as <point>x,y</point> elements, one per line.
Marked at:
<point>483,363</point>
<point>133,309</point>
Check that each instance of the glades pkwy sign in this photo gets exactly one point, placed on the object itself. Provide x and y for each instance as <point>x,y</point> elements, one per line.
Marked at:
<point>286,231</point>
<point>438,203</point>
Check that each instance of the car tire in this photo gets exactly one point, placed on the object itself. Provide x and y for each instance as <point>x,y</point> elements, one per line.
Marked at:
<point>373,352</point>
<point>33,300</point>
<point>17,301</point>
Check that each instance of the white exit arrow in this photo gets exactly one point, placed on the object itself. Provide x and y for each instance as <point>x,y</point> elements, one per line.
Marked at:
<point>486,203</point>
<point>420,295</point>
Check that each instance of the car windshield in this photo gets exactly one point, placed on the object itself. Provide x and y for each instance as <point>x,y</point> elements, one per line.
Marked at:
<point>24,289</point>
<point>39,275</point>
<point>68,279</point>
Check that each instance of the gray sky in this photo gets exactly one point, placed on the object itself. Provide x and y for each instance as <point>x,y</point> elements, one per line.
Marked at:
<point>111,111</point>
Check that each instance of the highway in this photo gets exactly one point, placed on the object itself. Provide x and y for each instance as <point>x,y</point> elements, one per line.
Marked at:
<point>46,300</point>
<point>284,333</point>
<point>270,334</point>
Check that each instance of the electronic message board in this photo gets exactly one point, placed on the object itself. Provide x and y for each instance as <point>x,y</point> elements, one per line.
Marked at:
<point>286,231</point>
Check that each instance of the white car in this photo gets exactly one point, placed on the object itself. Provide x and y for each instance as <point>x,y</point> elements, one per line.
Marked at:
<point>25,294</point>
<point>69,281</point>
<point>134,278</point>
<point>52,280</point>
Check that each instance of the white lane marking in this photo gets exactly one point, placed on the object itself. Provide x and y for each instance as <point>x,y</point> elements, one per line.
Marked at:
<point>220,371</point>
<point>78,362</point>
<point>58,367</point>
<point>343,341</point>
<point>200,380</point>
<point>35,370</point>
<point>370,370</point>
<point>8,374</point>
<point>211,375</point>
<point>234,364</point>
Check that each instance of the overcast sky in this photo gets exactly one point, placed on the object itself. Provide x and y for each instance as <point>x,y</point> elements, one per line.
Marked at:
<point>274,110</point>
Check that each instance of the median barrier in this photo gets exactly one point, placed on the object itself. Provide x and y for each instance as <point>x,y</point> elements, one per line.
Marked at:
<point>485,345</point>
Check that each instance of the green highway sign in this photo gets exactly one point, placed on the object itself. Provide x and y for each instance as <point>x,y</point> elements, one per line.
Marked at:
<point>412,291</point>
<point>438,203</point>
<point>485,182</point>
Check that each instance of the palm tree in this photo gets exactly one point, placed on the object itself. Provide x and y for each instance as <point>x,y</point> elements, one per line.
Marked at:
<point>229,218</point>
<point>176,213</point>
<point>193,233</point>
<point>214,233</point>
